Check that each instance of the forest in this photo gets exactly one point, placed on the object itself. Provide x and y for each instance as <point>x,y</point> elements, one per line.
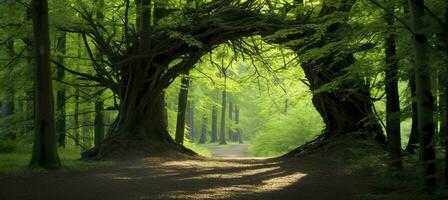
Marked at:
<point>224,99</point>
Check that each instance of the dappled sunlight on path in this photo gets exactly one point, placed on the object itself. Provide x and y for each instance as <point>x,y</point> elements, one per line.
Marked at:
<point>187,178</point>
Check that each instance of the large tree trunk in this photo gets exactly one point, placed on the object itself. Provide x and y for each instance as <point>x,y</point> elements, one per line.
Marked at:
<point>141,125</point>
<point>60,96</point>
<point>425,100</point>
<point>392,96</point>
<point>45,143</point>
<point>443,93</point>
<point>347,108</point>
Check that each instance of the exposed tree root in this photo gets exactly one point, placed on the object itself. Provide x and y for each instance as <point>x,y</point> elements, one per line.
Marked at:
<point>322,141</point>
<point>113,148</point>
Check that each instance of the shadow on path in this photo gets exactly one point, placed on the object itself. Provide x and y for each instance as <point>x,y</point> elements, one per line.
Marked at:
<point>194,178</point>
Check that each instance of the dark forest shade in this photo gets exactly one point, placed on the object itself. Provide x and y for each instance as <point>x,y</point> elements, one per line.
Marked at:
<point>45,142</point>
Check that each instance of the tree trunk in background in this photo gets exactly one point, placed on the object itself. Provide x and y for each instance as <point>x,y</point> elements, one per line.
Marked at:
<point>99,121</point>
<point>237,122</point>
<point>443,92</point>
<point>7,127</point>
<point>203,137</point>
<point>190,114</point>
<point>214,135</point>
<point>230,132</point>
<point>222,136</point>
<point>392,95</point>
<point>182,109</point>
<point>413,136</point>
<point>99,131</point>
<point>45,143</point>
<point>76,118</point>
<point>60,95</point>
<point>286,107</point>
<point>425,100</point>
<point>7,106</point>
<point>85,132</point>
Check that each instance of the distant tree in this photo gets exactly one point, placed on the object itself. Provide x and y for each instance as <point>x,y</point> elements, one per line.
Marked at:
<point>203,136</point>
<point>61,93</point>
<point>214,131</point>
<point>222,136</point>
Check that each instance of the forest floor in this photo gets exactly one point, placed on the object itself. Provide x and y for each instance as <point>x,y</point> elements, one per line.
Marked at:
<point>326,173</point>
<point>190,178</point>
<point>170,178</point>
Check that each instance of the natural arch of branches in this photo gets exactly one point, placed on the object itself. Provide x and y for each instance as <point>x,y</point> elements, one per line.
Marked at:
<point>149,57</point>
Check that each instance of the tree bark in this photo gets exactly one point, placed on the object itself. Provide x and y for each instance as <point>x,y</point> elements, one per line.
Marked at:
<point>45,143</point>
<point>182,109</point>
<point>392,95</point>
<point>347,108</point>
<point>425,99</point>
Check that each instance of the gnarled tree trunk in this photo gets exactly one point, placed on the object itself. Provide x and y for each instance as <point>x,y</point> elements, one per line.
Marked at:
<point>348,107</point>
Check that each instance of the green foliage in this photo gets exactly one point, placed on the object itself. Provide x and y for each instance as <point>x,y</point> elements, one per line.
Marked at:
<point>283,133</point>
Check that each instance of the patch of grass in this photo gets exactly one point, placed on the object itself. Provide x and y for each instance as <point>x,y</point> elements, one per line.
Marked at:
<point>199,149</point>
<point>16,163</point>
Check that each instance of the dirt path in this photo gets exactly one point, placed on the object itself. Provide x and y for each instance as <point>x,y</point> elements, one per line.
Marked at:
<point>234,151</point>
<point>193,178</point>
